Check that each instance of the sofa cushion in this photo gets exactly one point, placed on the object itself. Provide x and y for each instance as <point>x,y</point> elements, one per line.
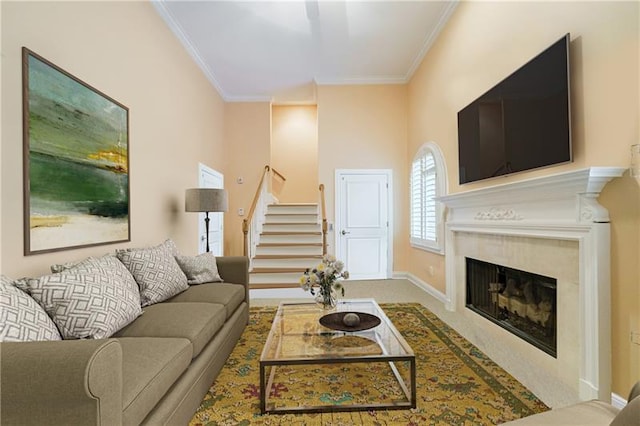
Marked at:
<point>21,318</point>
<point>156,271</point>
<point>149,367</point>
<point>629,414</point>
<point>199,269</point>
<point>91,300</point>
<point>590,413</point>
<point>229,295</point>
<point>197,322</point>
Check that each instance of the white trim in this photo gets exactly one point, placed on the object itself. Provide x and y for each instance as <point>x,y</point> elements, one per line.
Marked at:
<point>423,285</point>
<point>188,45</point>
<point>431,38</point>
<point>617,401</point>
<point>442,188</point>
<point>354,81</point>
<point>563,206</point>
<point>337,194</point>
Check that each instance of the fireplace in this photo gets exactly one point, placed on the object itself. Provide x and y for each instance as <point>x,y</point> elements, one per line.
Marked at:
<point>518,301</point>
<point>550,226</point>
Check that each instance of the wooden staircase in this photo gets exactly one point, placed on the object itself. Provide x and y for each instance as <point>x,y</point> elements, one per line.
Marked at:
<point>290,242</point>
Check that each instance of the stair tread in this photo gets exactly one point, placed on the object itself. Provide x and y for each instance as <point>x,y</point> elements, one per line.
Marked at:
<point>267,270</point>
<point>287,256</point>
<point>291,233</point>
<point>289,244</point>
<point>290,214</point>
<point>293,204</point>
<point>273,285</point>
<point>291,223</point>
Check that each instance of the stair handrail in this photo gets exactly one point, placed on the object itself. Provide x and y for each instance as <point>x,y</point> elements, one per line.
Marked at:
<point>252,224</point>
<point>325,225</point>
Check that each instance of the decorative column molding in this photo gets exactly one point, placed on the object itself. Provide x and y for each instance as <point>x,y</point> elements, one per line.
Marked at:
<point>563,206</point>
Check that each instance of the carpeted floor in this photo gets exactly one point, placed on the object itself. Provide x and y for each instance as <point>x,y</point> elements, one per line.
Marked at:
<point>456,383</point>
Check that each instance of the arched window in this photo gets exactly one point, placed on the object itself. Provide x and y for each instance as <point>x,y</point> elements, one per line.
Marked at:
<point>428,181</point>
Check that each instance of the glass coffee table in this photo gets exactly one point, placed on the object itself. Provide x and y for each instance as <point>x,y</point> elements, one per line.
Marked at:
<point>334,370</point>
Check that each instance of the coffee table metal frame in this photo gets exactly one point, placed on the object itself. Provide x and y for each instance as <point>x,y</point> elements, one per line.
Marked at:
<point>402,353</point>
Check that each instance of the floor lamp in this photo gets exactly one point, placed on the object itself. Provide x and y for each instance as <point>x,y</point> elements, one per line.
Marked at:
<point>206,200</point>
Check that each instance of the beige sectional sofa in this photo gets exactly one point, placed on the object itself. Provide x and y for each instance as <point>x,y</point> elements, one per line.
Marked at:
<point>588,413</point>
<point>155,370</point>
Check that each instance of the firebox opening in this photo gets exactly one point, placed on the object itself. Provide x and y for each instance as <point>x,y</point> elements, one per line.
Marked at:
<point>520,302</point>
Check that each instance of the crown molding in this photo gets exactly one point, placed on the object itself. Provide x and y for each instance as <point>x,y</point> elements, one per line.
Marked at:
<point>177,30</point>
<point>431,38</point>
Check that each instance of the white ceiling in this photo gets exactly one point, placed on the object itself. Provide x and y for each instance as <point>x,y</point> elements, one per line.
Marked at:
<point>279,50</point>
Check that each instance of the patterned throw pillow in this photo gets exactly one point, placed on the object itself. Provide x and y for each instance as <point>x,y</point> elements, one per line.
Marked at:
<point>21,318</point>
<point>92,299</point>
<point>199,269</point>
<point>156,272</point>
<point>59,267</point>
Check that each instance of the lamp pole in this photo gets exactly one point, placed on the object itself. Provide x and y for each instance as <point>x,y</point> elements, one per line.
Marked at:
<point>206,228</point>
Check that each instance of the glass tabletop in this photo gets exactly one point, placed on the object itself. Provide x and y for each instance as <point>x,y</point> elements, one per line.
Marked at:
<point>297,335</point>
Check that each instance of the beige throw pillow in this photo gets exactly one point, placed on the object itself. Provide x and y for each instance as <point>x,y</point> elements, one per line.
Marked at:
<point>199,269</point>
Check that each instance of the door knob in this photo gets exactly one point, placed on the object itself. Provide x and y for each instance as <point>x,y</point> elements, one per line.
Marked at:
<point>344,232</point>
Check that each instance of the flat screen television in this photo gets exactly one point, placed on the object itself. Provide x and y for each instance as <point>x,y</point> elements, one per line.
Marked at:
<point>522,123</point>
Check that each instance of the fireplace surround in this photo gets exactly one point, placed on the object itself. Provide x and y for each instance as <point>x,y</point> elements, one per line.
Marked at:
<point>551,226</point>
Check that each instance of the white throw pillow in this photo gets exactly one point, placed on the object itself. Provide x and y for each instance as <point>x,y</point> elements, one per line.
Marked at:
<point>21,318</point>
<point>156,271</point>
<point>199,269</point>
<point>92,299</point>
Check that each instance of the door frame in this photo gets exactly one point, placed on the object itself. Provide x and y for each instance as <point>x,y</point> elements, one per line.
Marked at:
<point>337,197</point>
<point>204,169</point>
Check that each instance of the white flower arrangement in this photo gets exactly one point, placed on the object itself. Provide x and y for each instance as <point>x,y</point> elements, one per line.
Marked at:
<point>321,280</point>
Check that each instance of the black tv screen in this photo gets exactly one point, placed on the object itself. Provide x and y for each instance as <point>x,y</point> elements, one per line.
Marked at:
<point>522,123</point>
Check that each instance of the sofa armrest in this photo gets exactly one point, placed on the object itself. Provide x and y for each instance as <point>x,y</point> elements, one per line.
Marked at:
<point>69,382</point>
<point>235,269</point>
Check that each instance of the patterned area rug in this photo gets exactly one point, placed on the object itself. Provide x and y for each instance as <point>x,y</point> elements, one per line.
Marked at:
<point>456,383</point>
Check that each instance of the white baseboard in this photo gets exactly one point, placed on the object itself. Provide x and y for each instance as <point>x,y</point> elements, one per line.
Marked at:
<point>618,401</point>
<point>437,294</point>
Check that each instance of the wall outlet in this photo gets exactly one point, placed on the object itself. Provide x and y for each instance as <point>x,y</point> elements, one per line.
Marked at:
<point>635,337</point>
<point>240,211</point>
<point>240,180</point>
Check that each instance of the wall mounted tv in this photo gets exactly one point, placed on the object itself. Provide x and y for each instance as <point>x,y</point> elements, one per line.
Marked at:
<point>522,123</point>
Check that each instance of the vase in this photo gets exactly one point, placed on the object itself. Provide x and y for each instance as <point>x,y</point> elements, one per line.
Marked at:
<point>327,300</point>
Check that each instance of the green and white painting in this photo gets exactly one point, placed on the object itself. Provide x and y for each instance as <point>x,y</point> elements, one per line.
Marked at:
<point>76,166</point>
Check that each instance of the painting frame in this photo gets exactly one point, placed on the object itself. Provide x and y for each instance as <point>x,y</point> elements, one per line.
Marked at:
<point>76,187</point>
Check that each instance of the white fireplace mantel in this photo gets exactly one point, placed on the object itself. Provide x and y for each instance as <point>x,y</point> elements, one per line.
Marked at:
<point>562,206</point>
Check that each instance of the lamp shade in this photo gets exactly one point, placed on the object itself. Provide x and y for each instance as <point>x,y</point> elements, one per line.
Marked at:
<point>206,200</point>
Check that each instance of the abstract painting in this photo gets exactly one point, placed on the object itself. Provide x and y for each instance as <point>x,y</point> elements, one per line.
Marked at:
<point>76,161</point>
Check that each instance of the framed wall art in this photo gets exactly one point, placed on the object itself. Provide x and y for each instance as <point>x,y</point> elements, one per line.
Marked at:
<point>76,161</point>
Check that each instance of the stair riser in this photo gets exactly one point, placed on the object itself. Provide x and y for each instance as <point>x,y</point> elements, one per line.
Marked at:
<point>284,209</point>
<point>285,263</point>
<point>291,218</point>
<point>276,278</point>
<point>291,228</point>
<point>291,239</point>
<point>289,250</point>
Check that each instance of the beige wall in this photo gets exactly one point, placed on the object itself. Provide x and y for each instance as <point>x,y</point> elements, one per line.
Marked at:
<point>1,141</point>
<point>483,43</point>
<point>294,151</point>
<point>247,137</point>
<point>176,118</point>
<point>365,127</point>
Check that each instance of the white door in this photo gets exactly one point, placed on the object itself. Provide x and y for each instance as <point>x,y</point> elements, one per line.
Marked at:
<point>210,178</point>
<point>363,222</point>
